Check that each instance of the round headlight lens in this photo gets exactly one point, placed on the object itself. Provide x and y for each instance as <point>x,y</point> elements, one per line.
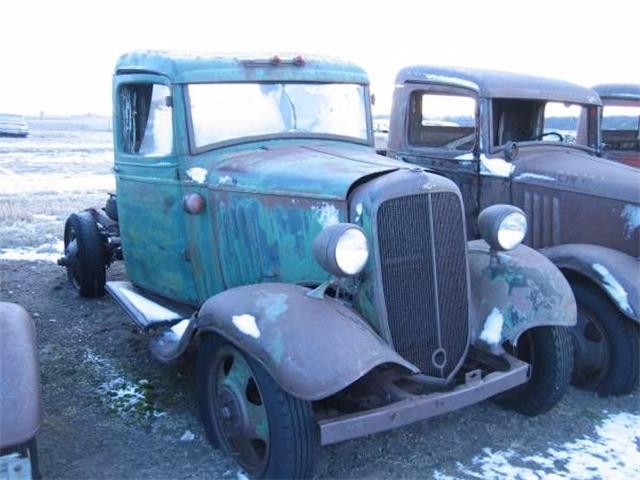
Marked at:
<point>352,251</point>
<point>512,230</point>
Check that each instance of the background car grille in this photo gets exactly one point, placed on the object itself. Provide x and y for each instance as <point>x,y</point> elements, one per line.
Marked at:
<point>423,264</point>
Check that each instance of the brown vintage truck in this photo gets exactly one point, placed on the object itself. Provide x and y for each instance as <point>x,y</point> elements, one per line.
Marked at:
<point>508,138</point>
<point>620,122</point>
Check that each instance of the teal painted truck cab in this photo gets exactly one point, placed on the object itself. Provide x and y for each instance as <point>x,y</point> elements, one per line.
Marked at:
<point>325,283</point>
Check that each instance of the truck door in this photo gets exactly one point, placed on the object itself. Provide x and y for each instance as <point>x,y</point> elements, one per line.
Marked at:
<point>149,195</point>
<point>436,126</point>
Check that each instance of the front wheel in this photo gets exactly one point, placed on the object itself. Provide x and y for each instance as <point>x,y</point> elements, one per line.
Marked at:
<point>549,351</point>
<point>270,433</point>
<point>607,344</point>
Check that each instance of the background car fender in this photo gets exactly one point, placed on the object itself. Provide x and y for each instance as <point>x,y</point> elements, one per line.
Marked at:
<point>615,272</point>
<point>20,395</point>
<point>313,347</point>
<point>514,291</point>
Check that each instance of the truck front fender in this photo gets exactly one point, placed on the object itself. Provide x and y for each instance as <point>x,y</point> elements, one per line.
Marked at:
<point>514,291</point>
<point>313,347</point>
<point>615,272</point>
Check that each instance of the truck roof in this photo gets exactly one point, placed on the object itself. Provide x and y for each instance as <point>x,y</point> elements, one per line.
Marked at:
<point>622,91</point>
<point>188,67</point>
<point>496,84</point>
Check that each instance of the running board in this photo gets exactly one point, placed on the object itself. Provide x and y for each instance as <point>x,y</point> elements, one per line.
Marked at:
<point>147,310</point>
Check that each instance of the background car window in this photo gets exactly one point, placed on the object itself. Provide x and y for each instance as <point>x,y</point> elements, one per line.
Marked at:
<point>146,119</point>
<point>621,127</point>
<point>442,121</point>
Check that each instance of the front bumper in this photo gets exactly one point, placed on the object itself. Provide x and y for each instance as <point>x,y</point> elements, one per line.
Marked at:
<point>420,407</point>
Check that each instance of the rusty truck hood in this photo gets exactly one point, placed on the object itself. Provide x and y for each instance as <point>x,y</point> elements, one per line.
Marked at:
<point>574,170</point>
<point>310,169</point>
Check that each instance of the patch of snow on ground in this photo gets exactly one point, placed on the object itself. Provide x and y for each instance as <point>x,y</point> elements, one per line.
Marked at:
<point>613,452</point>
<point>48,252</point>
<point>120,394</point>
<point>187,436</point>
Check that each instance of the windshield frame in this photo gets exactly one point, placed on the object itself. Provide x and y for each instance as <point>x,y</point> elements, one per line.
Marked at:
<point>195,150</point>
<point>593,127</point>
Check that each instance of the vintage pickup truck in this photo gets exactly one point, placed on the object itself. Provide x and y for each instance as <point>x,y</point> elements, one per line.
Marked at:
<point>620,121</point>
<point>509,138</point>
<point>331,291</point>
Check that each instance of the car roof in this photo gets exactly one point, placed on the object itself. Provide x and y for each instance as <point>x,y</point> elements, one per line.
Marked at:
<point>620,91</point>
<point>187,67</point>
<point>496,84</point>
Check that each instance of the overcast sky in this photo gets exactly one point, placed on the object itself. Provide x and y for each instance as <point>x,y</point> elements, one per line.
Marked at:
<point>58,56</point>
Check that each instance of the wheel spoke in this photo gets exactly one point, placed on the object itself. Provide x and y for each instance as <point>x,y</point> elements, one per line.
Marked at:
<point>594,355</point>
<point>258,424</point>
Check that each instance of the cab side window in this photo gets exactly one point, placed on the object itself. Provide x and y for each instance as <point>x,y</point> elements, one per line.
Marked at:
<point>442,121</point>
<point>621,127</point>
<point>146,125</point>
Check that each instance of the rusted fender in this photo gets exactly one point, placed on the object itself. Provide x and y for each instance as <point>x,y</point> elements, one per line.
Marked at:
<point>20,396</point>
<point>615,272</point>
<point>514,291</point>
<point>312,347</point>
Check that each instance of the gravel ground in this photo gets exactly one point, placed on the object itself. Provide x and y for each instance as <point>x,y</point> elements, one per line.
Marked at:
<point>111,411</point>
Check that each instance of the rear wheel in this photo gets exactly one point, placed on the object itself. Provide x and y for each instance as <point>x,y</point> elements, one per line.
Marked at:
<point>549,351</point>
<point>607,344</point>
<point>85,256</point>
<point>269,433</point>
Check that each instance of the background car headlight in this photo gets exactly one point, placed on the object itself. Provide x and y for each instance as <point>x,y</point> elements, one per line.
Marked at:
<point>341,249</point>
<point>503,227</point>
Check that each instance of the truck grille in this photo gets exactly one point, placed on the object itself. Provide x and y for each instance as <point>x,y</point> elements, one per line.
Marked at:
<point>423,264</point>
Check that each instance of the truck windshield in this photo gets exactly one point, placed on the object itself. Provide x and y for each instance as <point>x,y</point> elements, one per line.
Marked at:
<point>519,120</point>
<point>226,111</point>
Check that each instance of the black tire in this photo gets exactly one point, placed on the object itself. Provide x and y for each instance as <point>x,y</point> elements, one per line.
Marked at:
<point>549,351</point>
<point>28,450</point>
<point>599,321</point>
<point>111,208</point>
<point>292,439</point>
<point>85,254</point>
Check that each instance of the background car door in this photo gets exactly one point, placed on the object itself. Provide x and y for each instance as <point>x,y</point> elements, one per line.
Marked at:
<point>440,131</point>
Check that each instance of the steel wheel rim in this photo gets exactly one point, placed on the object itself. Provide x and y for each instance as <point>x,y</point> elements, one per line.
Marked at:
<point>592,350</point>
<point>238,410</point>
<point>71,253</point>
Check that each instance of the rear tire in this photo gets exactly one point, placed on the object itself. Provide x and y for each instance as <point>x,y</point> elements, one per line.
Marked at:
<point>600,323</point>
<point>85,255</point>
<point>269,433</point>
<point>549,351</point>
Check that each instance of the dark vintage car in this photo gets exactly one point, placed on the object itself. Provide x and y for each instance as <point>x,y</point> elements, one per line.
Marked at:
<point>620,122</point>
<point>13,125</point>
<point>332,291</point>
<point>20,394</point>
<point>508,138</point>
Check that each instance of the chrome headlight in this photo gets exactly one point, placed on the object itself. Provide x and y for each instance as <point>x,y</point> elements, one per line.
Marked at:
<point>503,227</point>
<point>341,249</point>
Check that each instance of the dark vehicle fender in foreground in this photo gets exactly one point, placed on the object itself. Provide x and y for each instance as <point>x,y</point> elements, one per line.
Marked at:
<point>514,291</point>
<point>615,272</point>
<point>20,398</point>
<point>313,347</point>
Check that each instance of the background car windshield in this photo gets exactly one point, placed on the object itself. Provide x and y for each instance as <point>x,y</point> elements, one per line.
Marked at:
<point>621,127</point>
<point>226,111</point>
<point>520,120</point>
